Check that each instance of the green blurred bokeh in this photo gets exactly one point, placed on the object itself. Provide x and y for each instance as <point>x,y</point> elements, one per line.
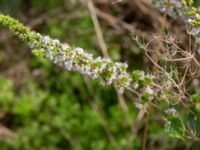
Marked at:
<point>44,106</point>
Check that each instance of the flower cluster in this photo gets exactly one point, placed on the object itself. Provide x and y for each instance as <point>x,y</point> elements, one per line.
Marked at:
<point>76,59</point>
<point>193,15</point>
<point>182,8</point>
<point>194,20</point>
<point>171,111</point>
<point>172,7</point>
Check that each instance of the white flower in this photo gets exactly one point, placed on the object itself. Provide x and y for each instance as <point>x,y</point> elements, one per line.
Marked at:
<point>149,90</point>
<point>171,111</point>
<point>120,90</point>
<point>60,58</point>
<point>46,39</point>
<point>138,105</point>
<point>197,15</point>
<point>68,65</point>
<point>49,54</point>
<point>32,44</point>
<point>55,42</point>
<point>190,20</point>
<point>195,31</point>
<point>79,50</point>
<point>135,86</point>
<point>65,46</point>
<point>142,73</point>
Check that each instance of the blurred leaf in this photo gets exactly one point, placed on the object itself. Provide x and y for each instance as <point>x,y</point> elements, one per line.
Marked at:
<point>194,124</point>
<point>55,28</point>
<point>196,97</point>
<point>47,4</point>
<point>175,127</point>
<point>6,92</point>
<point>23,107</point>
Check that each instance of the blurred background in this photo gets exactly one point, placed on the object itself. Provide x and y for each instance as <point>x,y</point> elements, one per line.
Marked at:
<point>43,106</point>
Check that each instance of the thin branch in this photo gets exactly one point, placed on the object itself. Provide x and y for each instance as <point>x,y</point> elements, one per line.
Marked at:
<point>97,28</point>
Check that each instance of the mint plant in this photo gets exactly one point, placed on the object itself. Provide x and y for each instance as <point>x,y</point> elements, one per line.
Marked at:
<point>75,59</point>
<point>151,89</point>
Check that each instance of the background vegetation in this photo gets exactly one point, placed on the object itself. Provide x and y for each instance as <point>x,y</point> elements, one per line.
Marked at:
<point>42,106</point>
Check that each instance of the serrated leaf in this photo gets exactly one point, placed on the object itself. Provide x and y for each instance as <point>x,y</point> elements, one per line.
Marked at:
<point>175,127</point>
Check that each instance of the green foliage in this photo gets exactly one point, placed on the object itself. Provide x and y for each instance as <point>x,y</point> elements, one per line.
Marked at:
<point>175,127</point>
<point>58,119</point>
<point>54,109</point>
<point>6,94</point>
<point>194,123</point>
<point>48,4</point>
<point>196,97</point>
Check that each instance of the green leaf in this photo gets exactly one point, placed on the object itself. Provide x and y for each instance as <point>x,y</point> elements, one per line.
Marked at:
<point>194,124</point>
<point>136,75</point>
<point>38,52</point>
<point>175,127</point>
<point>196,97</point>
<point>6,93</point>
<point>23,107</point>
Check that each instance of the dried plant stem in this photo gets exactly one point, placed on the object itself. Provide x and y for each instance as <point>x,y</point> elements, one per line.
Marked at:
<point>144,139</point>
